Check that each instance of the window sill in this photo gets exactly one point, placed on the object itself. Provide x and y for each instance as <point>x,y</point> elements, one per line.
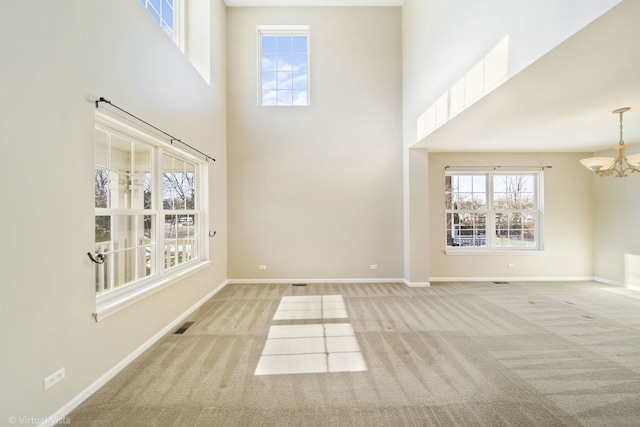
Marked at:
<point>494,252</point>
<point>108,305</point>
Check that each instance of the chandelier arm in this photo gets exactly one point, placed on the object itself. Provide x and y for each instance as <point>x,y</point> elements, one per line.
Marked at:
<point>621,164</point>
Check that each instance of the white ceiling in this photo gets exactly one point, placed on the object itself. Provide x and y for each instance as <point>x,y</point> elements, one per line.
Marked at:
<point>563,101</point>
<point>232,3</point>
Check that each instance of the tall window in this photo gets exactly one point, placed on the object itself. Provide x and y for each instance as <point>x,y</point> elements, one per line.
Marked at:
<point>493,210</point>
<point>283,65</point>
<point>148,209</point>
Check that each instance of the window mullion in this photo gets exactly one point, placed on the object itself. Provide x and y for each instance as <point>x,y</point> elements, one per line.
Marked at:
<point>491,214</point>
<point>158,205</point>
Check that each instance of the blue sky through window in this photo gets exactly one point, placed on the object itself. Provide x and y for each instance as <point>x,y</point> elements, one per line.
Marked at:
<point>284,69</point>
<point>162,12</point>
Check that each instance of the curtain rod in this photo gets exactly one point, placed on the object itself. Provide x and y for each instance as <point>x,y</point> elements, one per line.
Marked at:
<point>173,138</point>
<point>497,167</point>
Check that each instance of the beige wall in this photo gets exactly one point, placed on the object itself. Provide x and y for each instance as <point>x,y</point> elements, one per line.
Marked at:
<point>567,223</point>
<point>57,58</point>
<point>315,192</point>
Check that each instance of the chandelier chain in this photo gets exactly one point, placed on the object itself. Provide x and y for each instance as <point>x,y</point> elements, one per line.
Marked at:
<point>621,141</point>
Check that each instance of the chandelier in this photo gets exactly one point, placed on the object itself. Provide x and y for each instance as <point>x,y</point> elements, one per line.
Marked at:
<point>618,167</point>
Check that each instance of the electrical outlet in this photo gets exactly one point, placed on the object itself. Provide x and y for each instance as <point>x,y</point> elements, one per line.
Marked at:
<point>54,378</point>
<point>373,266</point>
<point>511,265</point>
<point>262,267</point>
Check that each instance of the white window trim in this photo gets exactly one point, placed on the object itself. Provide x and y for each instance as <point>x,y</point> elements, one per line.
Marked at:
<point>114,301</point>
<point>179,25</point>
<point>478,250</point>
<point>282,30</point>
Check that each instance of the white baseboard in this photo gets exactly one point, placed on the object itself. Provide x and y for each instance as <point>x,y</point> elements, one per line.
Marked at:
<point>269,281</point>
<point>61,413</point>
<point>417,284</point>
<point>608,282</point>
<point>362,280</point>
<point>513,279</point>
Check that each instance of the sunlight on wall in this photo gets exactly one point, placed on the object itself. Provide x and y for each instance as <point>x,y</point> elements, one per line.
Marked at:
<point>479,80</point>
<point>632,269</point>
<point>197,36</point>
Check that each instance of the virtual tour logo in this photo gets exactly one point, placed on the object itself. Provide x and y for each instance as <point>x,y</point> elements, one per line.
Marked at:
<point>25,420</point>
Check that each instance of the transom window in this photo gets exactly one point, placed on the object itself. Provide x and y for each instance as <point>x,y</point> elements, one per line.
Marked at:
<point>283,65</point>
<point>148,209</point>
<point>493,210</point>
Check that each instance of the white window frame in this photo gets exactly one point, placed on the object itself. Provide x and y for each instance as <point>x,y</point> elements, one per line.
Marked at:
<point>282,30</point>
<point>112,301</point>
<point>490,212</point>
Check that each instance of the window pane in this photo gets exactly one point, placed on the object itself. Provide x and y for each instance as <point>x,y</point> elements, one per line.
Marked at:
<point>119,196</point>
<point>299,62</point>
<point>120,154</point>
<point>269,80</point>
<point>285,80</point>
<point>284,97</point>
<point>514,192</point>
<point>269,97</point>
<point>300,97</point>
<point>269,62</point>
<point>465,183</point>
<point>466,229</point>
<point>269,44</point>
<point>467,192</point>
<point>189,185</point>
<point>515,230</point>
<point>169,190</point>
<point>178,181</point>
<point>300,81</point>
<point>448,191</point>
<point>479,183</point>
<point>124,262</point>
<point>300,44</point>
<point>103,231</point>
<point>101,184</point>
<point>285,44</point>
<point>180,239</point>
<point>141,182</point>
<point>285,62</point>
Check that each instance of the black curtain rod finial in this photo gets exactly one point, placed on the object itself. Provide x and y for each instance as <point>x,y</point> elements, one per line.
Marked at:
<point>102,99</point>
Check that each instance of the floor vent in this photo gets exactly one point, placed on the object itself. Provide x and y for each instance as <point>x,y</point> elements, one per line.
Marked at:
<point>183,328</point>
<point>501,283</point>
<point>298,284</point>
